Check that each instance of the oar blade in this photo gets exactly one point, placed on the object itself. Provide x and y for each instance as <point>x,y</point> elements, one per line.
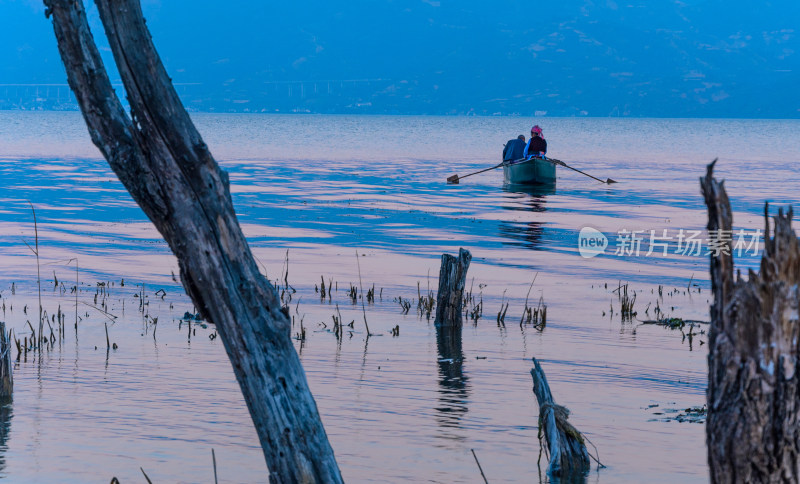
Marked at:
<point>453,180</point>
<point>610,181</point>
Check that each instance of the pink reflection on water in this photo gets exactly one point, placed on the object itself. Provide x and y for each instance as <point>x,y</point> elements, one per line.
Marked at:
<point>393,410</point>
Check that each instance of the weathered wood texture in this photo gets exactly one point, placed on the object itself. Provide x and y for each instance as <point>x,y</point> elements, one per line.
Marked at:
<point>163,162</point>
<point>452,278</point>
<point>568,455</point>
<point>449,299</point>
<point>6,375</point>
<point>453,392</point>
<point>752,428</point>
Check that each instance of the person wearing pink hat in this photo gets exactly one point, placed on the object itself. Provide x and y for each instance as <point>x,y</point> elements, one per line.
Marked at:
<point>536,146</point>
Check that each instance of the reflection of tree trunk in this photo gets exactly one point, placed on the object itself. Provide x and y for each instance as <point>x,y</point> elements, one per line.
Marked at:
<point>448,342</point>
<point>163,162</point>
<point>453,392</point>
<point>752,430</point>
<point>453,382</point>
<point>6,412</point>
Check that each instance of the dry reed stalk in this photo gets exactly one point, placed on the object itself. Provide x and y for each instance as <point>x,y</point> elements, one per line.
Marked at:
<point>358,263</point>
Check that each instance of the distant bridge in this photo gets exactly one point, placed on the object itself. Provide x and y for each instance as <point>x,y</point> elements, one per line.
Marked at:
<point>51,95</point>
<point>274,94</point>
<point>22,94</point>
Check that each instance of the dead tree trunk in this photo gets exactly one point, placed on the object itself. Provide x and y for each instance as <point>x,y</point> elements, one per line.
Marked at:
<point>752,430</point>
<point>163,162</point>
<point>453,392</point>
<point>568,454</point>
<point>6,376</point>
<point>452,278</point>
<point>6,390</point>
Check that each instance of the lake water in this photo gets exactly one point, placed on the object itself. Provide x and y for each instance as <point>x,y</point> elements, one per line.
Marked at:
<point>330,189</point>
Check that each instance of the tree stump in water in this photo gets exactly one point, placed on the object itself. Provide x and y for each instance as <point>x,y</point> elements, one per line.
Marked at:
<point>453,392</point>
<point>449,299</point>
<point>6,377</point>
<point>752,429</point>
<point>568,454</point>
<point>452,279</point>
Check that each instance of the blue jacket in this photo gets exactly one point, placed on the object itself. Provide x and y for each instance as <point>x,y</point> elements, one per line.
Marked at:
<point>514,150</point>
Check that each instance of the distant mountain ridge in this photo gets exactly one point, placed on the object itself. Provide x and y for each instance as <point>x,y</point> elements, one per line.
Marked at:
<point>574,58</point>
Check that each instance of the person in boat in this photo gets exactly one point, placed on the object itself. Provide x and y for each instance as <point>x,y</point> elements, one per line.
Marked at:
<point>536,146</point>
<point>514,149</point>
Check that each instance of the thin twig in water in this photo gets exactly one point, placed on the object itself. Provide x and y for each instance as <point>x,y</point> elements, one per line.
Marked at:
<point>479,466</point>
<point>110,316</point>
<point>214,460</point>
<point>286,274</point>
<point>38,273</point>
<point>361,288</point>
<point>600,465</point>
<point>77,290</point>
<point>526,298</point>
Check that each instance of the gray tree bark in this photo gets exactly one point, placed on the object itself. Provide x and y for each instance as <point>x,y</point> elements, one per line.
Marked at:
<point>449,300</point>
<point>452,279</point>
<point>752,428</point>
<point>6,374</point>
<point>163,162</point>
<point>568,455</point>
<point>453,393</point>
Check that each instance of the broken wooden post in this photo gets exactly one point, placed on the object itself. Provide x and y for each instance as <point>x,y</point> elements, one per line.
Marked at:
<point>568,454</point>
<point>452,278</point>
<point>6,377</point>
<point>752,430</point>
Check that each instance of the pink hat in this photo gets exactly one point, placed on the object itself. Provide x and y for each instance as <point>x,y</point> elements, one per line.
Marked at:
<point>536,129</point>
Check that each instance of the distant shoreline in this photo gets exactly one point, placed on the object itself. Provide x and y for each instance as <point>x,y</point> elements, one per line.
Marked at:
<point>416,114</point>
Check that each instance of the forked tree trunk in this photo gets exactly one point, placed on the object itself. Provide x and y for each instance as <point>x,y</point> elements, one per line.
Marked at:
<point>752,429</point>
<point>569,459</point>
<point>163,162</point>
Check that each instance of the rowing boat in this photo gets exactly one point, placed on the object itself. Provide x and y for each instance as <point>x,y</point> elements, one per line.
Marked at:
<point>533,171</point>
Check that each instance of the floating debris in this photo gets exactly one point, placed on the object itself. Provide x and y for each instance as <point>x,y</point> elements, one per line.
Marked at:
<point>673,323</point>
<point>689,414</point>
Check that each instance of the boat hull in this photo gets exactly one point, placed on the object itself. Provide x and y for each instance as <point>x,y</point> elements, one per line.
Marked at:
<point>536,171</point>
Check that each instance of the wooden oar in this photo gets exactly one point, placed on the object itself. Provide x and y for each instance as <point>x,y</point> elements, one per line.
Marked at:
<point>559,162</point>
<point>456,178</point>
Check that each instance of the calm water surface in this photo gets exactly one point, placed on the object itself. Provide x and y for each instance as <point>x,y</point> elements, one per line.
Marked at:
<point>327,188</point>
